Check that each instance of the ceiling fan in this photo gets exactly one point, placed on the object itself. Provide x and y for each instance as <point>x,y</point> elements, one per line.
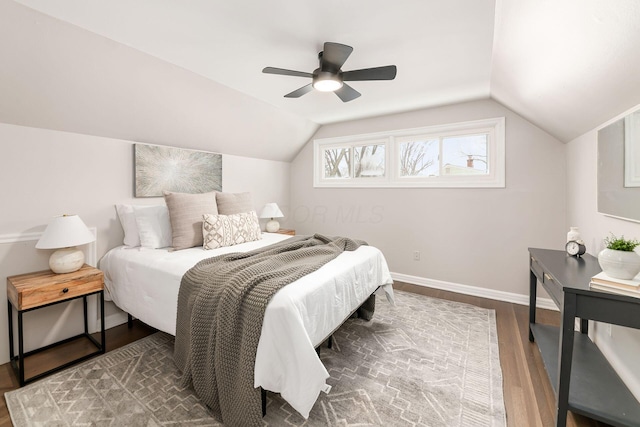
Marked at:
<point>329,77</point>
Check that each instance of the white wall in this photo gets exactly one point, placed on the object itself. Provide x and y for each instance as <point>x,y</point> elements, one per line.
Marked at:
<point>623,345</point>
<point>46,173</point>
<point>474,237</point>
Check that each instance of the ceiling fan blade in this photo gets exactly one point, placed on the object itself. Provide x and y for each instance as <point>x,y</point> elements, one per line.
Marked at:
<point>283,72</point>
<point>377,73</point>
<point>347,93</point>
<point>334,56</point>
<point>299,92</point>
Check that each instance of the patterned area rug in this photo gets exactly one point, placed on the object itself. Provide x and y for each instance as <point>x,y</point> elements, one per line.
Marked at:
<point>422,362</point>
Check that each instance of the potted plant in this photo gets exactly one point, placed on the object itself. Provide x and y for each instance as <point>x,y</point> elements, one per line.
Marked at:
<point>618,259</point>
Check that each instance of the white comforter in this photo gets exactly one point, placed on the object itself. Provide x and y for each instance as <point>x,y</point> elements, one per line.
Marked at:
<point>145,284</point>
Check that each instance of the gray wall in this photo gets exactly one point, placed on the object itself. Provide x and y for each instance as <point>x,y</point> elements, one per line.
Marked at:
<point>475,237</point>
<point>47,173</point>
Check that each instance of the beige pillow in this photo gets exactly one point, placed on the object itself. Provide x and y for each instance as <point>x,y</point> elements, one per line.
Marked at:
<point>228,230</point>
<point>233,203</point>
<point>185,213</point>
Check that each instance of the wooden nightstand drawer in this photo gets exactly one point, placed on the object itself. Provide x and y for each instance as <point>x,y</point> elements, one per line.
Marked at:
<point>44,287</point>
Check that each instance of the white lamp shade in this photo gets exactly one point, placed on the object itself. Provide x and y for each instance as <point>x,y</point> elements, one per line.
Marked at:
<point>65,231</point>
<point>271,210</point>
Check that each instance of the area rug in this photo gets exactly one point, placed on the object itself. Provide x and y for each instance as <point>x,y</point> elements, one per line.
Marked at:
<point>422,362</point>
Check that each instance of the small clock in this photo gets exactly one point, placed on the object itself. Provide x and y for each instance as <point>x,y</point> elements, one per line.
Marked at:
<point>575,247</point>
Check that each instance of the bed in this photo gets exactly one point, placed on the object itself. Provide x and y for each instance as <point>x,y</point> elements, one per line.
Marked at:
<point>145,283</point>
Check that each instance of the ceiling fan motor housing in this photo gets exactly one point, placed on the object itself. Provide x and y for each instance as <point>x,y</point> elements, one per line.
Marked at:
<point>326,81</point>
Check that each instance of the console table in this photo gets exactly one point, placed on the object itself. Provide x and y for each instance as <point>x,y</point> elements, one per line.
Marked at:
<point>583,379</point>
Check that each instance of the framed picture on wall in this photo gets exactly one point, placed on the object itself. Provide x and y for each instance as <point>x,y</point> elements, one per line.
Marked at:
<point>159,169</point>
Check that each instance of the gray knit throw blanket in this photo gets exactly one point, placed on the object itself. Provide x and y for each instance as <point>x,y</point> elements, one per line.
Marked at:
<point>221,305</point>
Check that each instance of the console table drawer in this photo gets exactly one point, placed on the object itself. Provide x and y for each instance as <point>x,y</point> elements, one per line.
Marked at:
<point>553,289</point>
<point>537,269</point>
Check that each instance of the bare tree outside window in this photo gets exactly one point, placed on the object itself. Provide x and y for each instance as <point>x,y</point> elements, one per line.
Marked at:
<point>417,157</point>
<point>369,161</point>
<point>336,163</point>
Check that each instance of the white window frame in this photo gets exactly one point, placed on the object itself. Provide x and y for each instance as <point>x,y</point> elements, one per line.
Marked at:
<point>495,178</point>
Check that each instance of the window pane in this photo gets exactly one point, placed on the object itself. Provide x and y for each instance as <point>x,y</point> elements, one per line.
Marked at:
<point>419,158</point>
<point>464,155</point>
<point>336,163</point>
<point>369,161</point>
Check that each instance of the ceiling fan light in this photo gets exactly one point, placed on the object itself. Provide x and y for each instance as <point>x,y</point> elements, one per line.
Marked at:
<point>327,85</point>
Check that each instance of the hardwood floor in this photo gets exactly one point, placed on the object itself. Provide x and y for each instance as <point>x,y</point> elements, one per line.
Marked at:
<point>528,396</point>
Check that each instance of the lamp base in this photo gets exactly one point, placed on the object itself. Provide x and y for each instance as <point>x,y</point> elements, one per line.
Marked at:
<point>273,226</point>
<point>66,260</point>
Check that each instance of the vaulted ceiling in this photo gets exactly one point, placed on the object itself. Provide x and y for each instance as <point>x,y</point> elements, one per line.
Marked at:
<point>188,73</point>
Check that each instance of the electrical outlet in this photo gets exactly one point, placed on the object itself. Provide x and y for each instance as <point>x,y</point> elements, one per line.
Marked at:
<point>416,255</point>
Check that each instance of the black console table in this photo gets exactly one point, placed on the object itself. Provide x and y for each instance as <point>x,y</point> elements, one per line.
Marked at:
<point>582,378</point>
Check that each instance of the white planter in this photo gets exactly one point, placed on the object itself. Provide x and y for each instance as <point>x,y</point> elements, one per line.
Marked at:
<point>619,264</point>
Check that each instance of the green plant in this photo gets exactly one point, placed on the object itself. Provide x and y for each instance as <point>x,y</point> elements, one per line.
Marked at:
<point>620,243</point>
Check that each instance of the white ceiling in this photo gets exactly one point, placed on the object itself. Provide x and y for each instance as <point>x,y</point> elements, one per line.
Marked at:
<point>442,48</point>
<point>566,65</point>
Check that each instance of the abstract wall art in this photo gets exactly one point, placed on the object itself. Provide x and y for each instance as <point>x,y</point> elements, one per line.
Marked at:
<point>159,169</point>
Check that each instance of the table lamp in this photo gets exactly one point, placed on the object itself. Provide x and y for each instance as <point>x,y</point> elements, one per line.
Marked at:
<point>64,233</point>
<point>271,210</point>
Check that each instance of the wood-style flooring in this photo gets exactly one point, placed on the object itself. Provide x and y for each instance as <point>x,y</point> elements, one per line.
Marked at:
<point>528,396</point>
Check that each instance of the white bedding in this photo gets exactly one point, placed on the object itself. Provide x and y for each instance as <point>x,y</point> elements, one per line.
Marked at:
<point>145,284</point>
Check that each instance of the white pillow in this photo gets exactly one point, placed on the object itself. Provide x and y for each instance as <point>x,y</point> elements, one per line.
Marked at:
<point>154,226</point>
<point>128,221</point>
<point>228,230</point>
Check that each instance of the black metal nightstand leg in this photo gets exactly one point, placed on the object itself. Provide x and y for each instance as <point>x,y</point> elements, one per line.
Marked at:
<point>17,361</point>
<point>84,307</point>
<point>10,311</point>
<point>104,337</point>
<point>20,350</point>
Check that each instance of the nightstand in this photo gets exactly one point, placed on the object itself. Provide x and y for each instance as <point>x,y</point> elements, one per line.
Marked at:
<point>286,231</point>
<point>27,292</point>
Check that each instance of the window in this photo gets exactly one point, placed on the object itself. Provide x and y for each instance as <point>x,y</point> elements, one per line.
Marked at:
<point>337,163</point>
<point>352,162</point>
<point>469,154</point>
<point>369,161</point>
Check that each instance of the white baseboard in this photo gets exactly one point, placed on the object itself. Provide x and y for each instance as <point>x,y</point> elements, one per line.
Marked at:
<point>115,319</point>
<point>511,297</point>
